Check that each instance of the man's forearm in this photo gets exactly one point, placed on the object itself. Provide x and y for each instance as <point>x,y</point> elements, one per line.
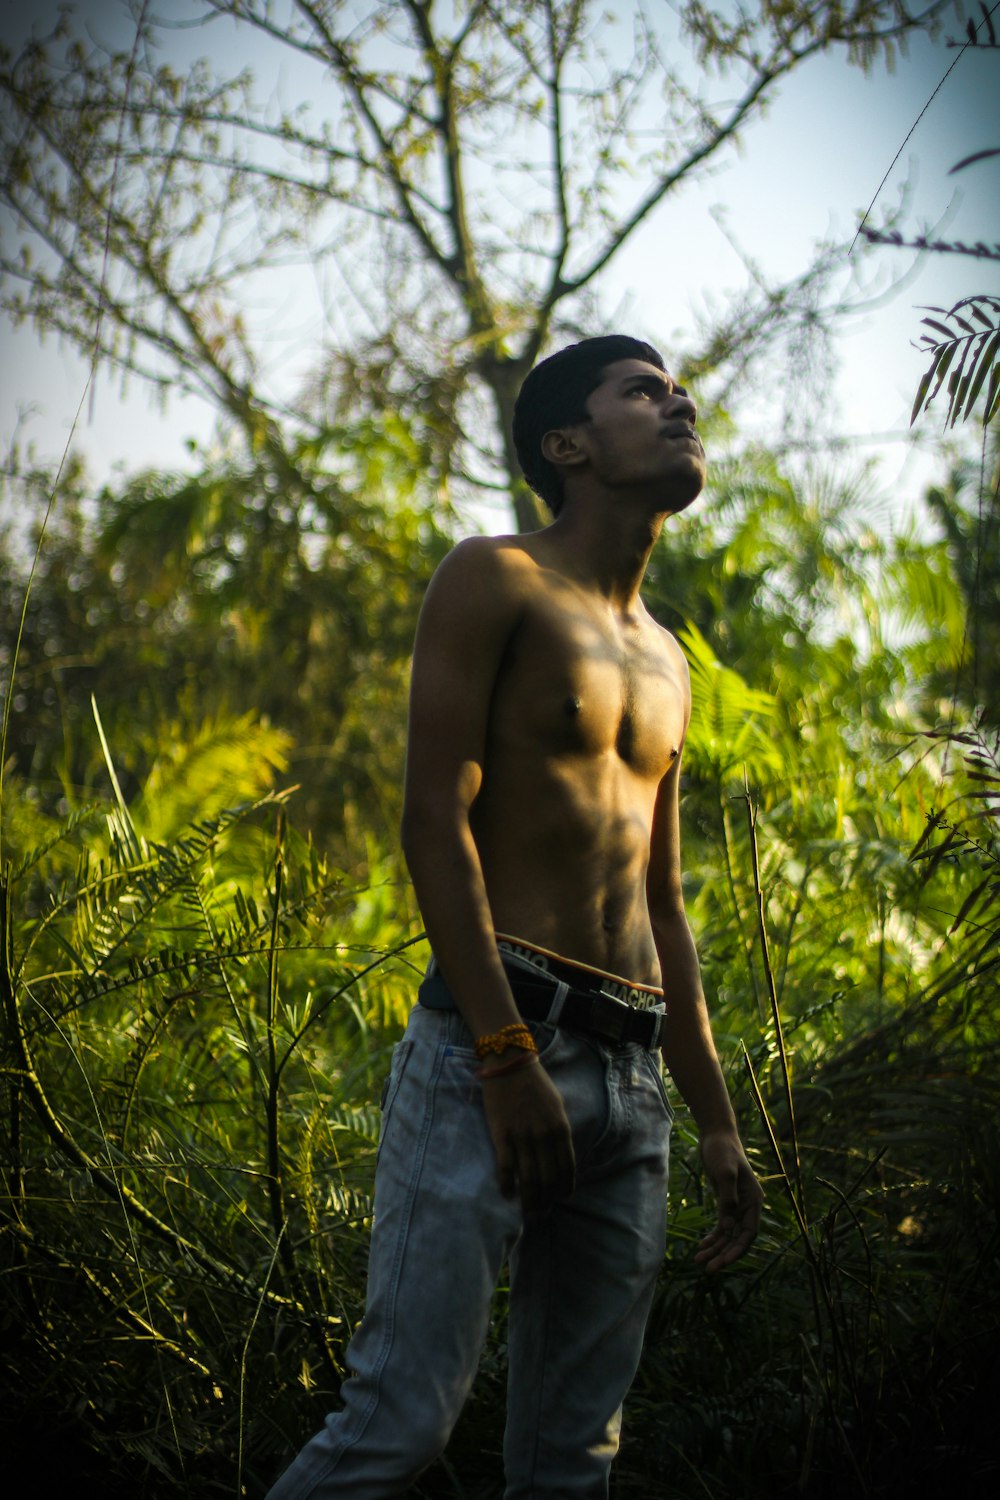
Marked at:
<point>688,1047</point>
<point>448,879</point>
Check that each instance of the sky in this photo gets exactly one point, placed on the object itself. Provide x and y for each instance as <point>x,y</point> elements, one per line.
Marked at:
<point>806,171</point>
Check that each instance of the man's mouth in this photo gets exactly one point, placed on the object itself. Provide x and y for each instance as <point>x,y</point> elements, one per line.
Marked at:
<point>683,430</point>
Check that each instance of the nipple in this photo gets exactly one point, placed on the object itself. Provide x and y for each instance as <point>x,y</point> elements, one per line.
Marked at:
<point>572,706</point>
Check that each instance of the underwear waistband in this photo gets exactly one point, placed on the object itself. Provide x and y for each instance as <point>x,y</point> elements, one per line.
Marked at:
<point>580,977</point>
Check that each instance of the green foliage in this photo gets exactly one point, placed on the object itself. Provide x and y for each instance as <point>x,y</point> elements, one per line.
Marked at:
<point>198,1012</point>
<point>966,508</point>
<point>967,351</point>
<point>728,719</point>
<point>191,606</point>
<point>853,1353</point>
<point>199,1000</point>
<point>194,1033</point>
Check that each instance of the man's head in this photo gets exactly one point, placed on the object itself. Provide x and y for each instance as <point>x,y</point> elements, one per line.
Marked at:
<point>554,394</point>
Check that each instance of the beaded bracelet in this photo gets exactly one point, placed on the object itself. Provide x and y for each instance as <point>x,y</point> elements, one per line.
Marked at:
<point>508,1067</point>
<point>514,1035</point>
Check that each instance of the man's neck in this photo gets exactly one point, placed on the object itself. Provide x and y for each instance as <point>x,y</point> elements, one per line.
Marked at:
<point>608,546</point>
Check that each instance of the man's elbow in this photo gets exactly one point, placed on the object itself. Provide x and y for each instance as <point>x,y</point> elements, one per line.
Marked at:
<point>428,825</point>
<point>412,831</point>
<point>667,914</point>
<point>436,808</point>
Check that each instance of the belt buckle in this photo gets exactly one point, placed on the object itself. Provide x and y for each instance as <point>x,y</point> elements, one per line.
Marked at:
<point>614,1020</point>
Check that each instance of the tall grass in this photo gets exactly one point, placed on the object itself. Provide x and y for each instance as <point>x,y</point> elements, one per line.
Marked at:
<point>195,1034</point>
<point>855,1353</point>
<point>190,1061</point>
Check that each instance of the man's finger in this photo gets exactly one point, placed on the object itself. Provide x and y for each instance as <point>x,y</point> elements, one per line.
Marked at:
<point>566,1175</point>
<point>531,1180</point>
<point>558,1161</point>
<point>506,1173</point>
<point>546,1170</point>
<point>730,1237</point>
<point>724,1250</point>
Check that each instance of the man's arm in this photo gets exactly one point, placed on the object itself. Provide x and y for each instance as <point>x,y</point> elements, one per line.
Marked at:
<point>688,1049</point>
<point>470,612</point>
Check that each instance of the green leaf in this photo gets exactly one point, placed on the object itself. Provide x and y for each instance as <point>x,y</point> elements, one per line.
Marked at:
<point>941,327</point>
<point>942,364</point>
<point>922,390</point>
<point>956,384</point>
<point>969,903</point>
<point>987,360</point>
<point>992,395</point>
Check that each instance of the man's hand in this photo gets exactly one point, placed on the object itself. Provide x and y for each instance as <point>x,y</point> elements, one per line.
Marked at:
<point>740,1200</point>
<point>531,1136</point>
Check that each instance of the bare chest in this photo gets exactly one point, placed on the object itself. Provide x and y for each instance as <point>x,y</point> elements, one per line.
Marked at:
<point>576,683</point>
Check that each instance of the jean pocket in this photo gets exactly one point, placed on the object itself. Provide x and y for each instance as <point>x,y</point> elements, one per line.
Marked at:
<point>655,1068</point>
<point>546,1036</point>
<point>400,1057</point>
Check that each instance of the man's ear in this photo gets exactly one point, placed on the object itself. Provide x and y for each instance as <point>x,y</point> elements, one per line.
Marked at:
<point>561,448</point>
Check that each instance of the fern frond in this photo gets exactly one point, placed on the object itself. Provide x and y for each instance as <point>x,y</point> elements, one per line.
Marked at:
<point>226,761</point>
<point>116,904</point>
<point>977,348</point>
<point>919,587</point>
<point>65,828</point>
<point>727,728</point>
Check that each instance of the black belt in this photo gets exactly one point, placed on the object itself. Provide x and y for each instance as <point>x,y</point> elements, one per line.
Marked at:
<point>586,1010</point>
<point>552,998</point>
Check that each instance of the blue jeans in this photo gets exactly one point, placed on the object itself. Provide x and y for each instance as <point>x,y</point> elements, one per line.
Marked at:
<point>581,1274</point>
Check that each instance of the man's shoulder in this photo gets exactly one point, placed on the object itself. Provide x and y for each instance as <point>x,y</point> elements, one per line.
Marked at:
<point>504,550</point>
<point>479,593</point>
<point>495,563</point>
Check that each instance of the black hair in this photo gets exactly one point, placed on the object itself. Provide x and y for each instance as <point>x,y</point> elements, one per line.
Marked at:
<point>554,394</point>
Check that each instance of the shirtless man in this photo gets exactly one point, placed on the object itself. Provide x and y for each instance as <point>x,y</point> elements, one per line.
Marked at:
<point>525,1116</point>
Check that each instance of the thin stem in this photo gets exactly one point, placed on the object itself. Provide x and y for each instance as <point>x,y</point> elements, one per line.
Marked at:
<point>772,992</point>
<point>727,839</point>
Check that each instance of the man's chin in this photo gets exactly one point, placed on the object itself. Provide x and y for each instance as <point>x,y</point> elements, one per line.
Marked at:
<point>681,503</point>
<point>685,488</point>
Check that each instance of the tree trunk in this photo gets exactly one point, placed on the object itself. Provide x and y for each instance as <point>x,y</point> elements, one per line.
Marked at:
<point>504,380</point>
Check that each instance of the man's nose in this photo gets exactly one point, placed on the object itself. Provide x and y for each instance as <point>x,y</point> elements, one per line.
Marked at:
<point>681,406</point>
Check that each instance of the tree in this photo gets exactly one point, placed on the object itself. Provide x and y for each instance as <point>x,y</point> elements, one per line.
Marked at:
<point>149,199</point>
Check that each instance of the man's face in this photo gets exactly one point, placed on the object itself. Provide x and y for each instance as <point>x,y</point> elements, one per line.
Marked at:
<point>640,434</point>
